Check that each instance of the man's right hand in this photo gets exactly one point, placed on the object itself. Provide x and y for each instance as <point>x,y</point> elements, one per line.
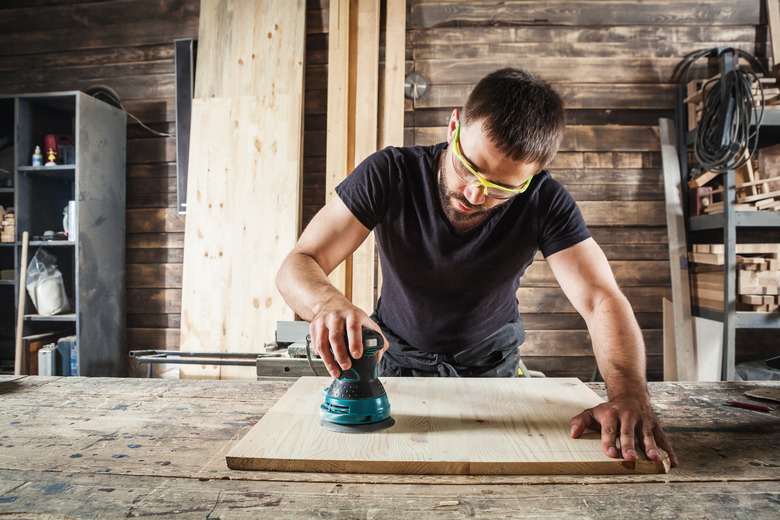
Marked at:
<point>327,331</point>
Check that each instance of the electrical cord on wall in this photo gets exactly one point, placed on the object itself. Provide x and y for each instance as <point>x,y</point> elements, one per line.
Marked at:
<point>727,137</point>
<point>109,95</point>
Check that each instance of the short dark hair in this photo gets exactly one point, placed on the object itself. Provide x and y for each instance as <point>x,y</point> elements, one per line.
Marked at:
<point>522,114</point>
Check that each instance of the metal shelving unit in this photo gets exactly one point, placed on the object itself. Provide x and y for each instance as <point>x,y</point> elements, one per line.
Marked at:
<point>93,262</point>
<point>728,225</point>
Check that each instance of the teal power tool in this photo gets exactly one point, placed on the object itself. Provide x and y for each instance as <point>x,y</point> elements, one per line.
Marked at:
<point>356,402</point>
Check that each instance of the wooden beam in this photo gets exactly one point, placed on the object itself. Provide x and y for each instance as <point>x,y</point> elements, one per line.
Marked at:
<point>678,259</point>
<point>336,162</point>
<point>364,106</point>
<point>670,356</point>
<point>773,14</point>
<point>244,181</point>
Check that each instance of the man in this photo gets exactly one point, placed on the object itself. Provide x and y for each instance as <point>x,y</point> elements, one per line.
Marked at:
<point>456,225</point>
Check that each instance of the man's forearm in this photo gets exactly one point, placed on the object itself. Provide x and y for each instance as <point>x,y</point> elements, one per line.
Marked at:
<point>618,346</point>
<point>305,287</point>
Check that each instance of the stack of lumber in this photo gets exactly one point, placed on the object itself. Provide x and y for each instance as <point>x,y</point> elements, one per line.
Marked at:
<point>758,276</point>
<point>758,181</point>
<point>7,225</point>
<point>768,90</point>
<point>757,186</point>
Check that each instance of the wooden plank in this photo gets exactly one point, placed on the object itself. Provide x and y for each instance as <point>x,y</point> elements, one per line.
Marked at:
<point>391,113</point>
<point>552,299</point>
<point>391,92</point>
<point>337,165</point>
<point>584,13</point>
<point>509,50</point>
<point>627,273</point>
<point>773,16</point>
<point>569,343</point>
<point>444,426</point>
<point>545,33</point>
<point>612,138</point>
<point>670,349</point>
<point>238,230</point>
<point>555,70</point>
<point>249,48</point>
<point>678,260</point>
<point>363,132</point>
<point>706,258</point>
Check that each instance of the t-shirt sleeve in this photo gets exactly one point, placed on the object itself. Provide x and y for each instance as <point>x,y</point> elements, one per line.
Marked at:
<point>367,191</point>
<point>563,225</point>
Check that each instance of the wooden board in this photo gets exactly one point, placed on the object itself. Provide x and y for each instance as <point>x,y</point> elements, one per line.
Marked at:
<point>249,48</point>
<point>681,296</point>
<point>337,142</point>
<point>363,117</point>
<point>444,426</point>
<point>244,186</point>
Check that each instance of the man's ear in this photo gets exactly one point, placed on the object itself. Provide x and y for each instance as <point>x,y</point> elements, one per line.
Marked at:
<point>451,126</point>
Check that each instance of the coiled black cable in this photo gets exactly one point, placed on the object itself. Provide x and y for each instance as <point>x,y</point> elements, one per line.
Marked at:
<point>728,135</point>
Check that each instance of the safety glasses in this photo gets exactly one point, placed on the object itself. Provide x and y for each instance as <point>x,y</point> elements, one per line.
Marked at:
<point>470,176</point>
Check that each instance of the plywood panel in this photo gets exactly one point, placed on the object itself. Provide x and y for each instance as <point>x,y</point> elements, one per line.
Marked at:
<point>444,426</point>
<point>244,180</point>
<point>364,106</point>
<point>238,229</point>
<point>337,143</point>
<point>249,48</point>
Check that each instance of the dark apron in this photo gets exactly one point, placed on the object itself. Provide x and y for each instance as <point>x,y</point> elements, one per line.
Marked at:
<point>496,356</point>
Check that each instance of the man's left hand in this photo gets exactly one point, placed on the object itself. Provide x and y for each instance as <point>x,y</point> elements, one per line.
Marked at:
<point>632,421</point>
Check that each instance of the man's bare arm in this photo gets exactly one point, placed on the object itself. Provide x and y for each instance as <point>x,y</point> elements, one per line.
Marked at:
<point>587,280</point>
<point>333,234</point>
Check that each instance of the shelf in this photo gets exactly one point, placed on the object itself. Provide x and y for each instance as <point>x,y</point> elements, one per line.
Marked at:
<point>7,244</point>
<point>6,190</point>
<point>52,243</point>
<point>95,280</point>
<point>744,320</point>
<point>56,167</point>
<point>771,116</point>
<point>60,171</point>
<point>743,219</point>
<point>7,282</point>
<point>57,317</point>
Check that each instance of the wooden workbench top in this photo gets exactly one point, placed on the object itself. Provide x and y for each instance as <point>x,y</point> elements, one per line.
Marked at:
<point>108,448</point>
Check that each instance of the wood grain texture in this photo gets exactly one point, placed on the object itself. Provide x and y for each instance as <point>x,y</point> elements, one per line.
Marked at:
<point>337,141</point>
<point>107,448</point>
<point>245,177</point>
<point>238,230</point>
<point>363,131</point>
<point>249,48</point>
<point>685,349</point>
<point>444,426</point>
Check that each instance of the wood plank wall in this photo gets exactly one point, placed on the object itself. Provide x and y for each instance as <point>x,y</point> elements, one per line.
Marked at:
<point>611,60</point>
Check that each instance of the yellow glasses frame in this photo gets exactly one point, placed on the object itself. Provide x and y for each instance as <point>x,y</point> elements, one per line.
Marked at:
<point>481,181</point>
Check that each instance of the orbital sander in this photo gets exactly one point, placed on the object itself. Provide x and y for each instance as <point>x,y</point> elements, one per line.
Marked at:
<point>356,402</point>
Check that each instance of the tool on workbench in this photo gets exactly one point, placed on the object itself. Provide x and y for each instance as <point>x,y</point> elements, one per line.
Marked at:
<point>356,402</point>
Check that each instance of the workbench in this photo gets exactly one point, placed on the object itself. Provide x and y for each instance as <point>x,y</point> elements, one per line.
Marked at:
<point>74,447</point>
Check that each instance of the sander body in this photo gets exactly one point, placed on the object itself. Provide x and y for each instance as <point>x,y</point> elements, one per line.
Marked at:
<point>356,402</point>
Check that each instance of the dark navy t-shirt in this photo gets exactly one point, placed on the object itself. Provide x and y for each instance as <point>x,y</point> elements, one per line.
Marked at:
<point>444,290</point>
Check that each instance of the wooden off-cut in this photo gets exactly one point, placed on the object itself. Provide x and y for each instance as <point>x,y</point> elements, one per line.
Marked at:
<point>443,426</point>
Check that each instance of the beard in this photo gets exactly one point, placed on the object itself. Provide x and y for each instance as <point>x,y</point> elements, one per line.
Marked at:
<point>452,212</point>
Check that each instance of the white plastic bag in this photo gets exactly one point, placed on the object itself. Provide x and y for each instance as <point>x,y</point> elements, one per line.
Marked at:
<point>45,285</point>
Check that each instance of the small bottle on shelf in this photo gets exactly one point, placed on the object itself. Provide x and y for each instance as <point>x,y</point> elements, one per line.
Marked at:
<point>37,157</point>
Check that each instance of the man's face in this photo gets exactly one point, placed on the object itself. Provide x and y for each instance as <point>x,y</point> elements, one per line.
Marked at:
<point>463,198</point>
